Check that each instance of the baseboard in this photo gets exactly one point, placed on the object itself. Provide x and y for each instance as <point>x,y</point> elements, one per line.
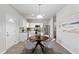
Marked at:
<point>65,48</point>
<point>3,52</point>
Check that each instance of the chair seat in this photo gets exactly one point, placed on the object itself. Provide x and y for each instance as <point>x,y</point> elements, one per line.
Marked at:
<point>29,44</point>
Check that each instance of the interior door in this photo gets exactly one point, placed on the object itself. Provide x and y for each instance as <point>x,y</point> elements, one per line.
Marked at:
<point>10,32</point>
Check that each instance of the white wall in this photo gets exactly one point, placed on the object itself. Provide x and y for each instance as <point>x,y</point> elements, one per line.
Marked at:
<point>51,27</point>
<point>2,38</point>
<point>6,13</point>
<point>67,39</point>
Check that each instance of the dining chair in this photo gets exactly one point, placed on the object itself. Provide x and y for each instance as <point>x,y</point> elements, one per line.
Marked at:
<point>48,44</point>
<point>29,46</point>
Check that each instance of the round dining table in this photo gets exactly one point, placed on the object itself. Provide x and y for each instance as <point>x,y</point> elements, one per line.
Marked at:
<point>38,39</point>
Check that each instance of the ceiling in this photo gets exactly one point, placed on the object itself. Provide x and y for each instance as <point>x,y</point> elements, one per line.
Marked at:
<point>30,11</point>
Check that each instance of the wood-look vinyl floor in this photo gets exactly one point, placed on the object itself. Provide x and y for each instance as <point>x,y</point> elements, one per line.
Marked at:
<point>19,49</point>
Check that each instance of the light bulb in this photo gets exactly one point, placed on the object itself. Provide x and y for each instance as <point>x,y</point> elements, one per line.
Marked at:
<point>39,16</point>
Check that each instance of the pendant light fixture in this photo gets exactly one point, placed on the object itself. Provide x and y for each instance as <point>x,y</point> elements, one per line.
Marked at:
<point>39,16</point>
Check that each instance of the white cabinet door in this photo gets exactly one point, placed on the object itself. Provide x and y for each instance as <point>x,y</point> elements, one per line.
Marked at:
<point>10,33</point>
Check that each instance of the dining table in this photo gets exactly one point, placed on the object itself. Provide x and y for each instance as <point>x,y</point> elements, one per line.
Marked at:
<point>38,39</point>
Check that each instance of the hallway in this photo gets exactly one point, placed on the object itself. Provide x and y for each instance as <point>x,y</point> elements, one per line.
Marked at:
<point>19,49</point>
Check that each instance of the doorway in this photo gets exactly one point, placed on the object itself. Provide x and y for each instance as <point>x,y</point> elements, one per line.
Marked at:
<point>10,32</point>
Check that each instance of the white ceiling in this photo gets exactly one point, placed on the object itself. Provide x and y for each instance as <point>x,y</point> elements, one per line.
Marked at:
<point>27,10</point>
